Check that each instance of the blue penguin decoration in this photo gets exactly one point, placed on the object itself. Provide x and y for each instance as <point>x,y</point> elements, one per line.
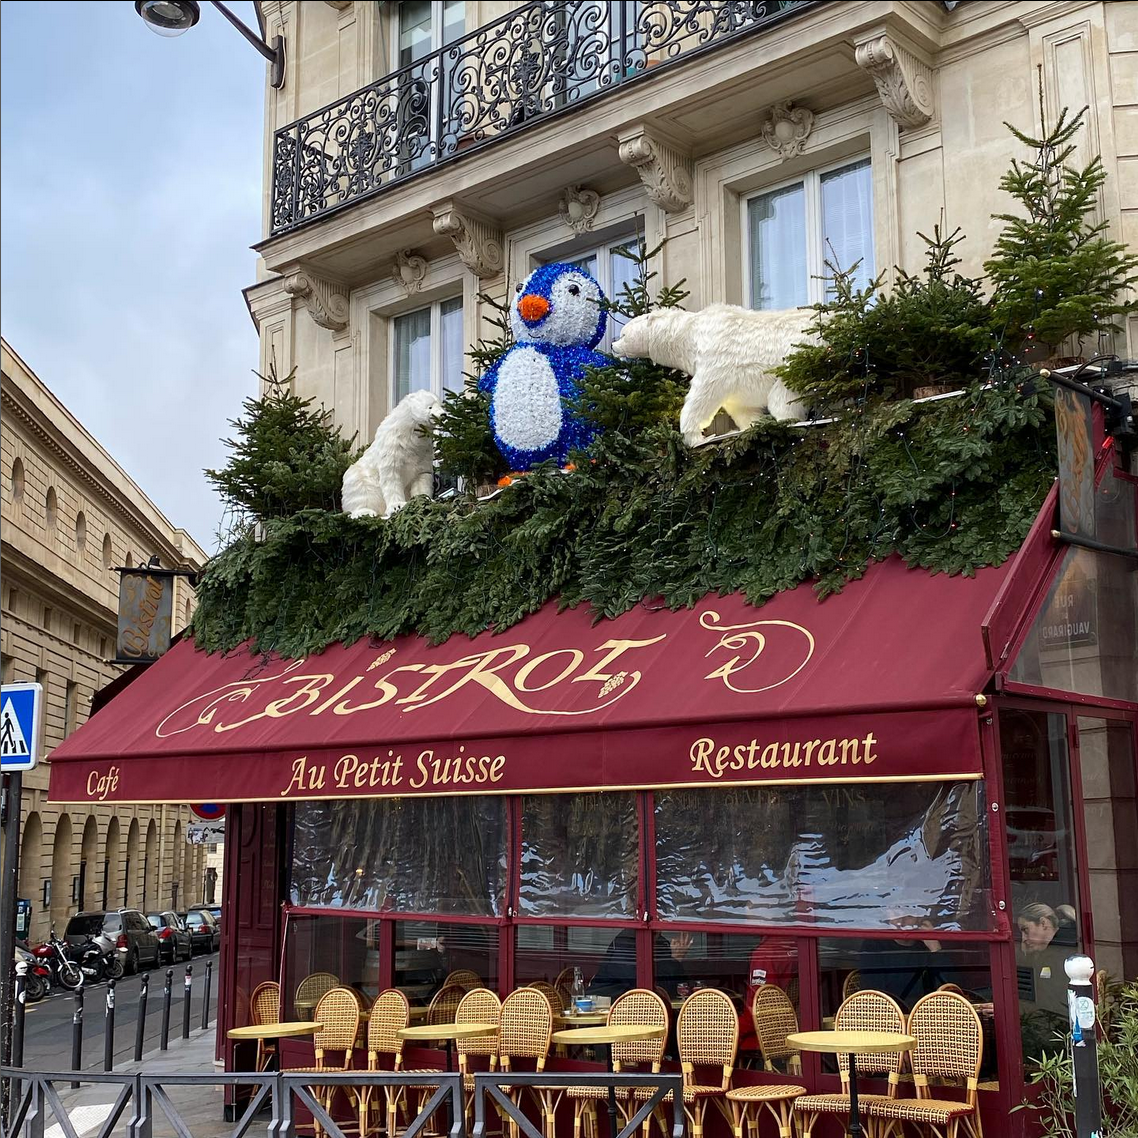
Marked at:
<point>557,321</point>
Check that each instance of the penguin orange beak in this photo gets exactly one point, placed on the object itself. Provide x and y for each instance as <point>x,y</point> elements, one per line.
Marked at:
<point>533,308</point>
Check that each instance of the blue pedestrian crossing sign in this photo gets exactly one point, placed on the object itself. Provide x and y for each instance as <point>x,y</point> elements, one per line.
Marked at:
<point>21,710</point>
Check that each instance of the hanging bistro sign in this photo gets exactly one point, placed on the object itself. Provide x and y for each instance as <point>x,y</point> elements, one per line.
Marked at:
<point>146,609</point>
<point>721,694</point>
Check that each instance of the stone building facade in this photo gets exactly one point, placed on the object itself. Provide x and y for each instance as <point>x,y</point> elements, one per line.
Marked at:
<point>420,154</point>
<point>71,515</point>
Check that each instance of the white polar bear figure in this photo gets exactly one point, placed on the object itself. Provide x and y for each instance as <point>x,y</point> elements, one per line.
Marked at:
<point>399,464</point>
<point>729,352</point>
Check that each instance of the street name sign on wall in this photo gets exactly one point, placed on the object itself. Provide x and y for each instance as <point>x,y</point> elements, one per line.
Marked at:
<point>205,833</point>
<point>21,711</point>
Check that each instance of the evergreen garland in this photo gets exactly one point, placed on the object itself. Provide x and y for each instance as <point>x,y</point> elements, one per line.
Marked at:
<point>951,485</point>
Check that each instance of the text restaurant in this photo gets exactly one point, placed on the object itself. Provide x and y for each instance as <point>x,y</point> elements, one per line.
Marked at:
<point>923,780</point>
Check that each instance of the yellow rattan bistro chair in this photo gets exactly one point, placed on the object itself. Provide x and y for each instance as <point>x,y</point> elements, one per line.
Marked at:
<point>863,1011</point>
<point>524,1031</point>
<point>641,1008</point>
<point>445,1003</point>
<point>338,1013</point>
<point>265,1007</point>
<point>851,984</point>
<point>389,1015</point>
<point>950,1046</point>
<point>557,999</point>
<point>775,1018</point>
<point>310,989</point>
<point>479,1005</point>
<point>464,978</point>
<point>707,1038</point>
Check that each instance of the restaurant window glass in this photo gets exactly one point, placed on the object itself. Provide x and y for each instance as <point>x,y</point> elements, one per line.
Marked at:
<point>1043,876</point>
<point>606,958</point>
<point>580,856</point>
<point>1083,637</point>
<point>906,968</point>
<point>322,952</point>
<point>429,955</point>
<point>1110,810</point>
<point>738,964</point>
<point>413,855</point>
<point>846,855</point>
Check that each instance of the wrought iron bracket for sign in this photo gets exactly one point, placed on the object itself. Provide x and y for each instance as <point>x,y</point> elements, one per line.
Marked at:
<point>1120,424</point>
<point>146,611</point>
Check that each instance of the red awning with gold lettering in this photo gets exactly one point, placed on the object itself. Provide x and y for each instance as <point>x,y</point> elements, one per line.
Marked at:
<point>875,683</point>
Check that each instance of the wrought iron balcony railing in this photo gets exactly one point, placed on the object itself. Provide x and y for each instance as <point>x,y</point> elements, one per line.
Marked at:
<point>540,60</point>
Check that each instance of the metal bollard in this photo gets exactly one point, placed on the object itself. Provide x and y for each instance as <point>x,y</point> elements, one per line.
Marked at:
<point>77,1033</point>
<point>167,992</point>
<point>205,998</point>
<point>1084,1045</point>
<point>186,1001</point>
<point>20,1003</point>
<point>140,1027</point>
<point>109,1029</point>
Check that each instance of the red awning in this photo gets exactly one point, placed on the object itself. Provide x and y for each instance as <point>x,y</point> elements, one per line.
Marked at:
<point>876,683</point>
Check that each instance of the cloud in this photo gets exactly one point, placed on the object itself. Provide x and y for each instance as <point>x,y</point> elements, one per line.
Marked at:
<point>132,191</point>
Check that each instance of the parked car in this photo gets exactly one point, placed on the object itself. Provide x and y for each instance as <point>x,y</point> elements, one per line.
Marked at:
<point>214,909</point>
<point>136,941</point>
<point>205,934</point>
<point>174,938</point>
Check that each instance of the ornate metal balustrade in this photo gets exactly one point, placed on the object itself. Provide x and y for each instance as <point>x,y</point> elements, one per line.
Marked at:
<point>538,61</point>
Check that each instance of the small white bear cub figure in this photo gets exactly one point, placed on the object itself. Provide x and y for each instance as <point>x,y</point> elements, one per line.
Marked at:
<point>399,463</point>
<point>729,352</point>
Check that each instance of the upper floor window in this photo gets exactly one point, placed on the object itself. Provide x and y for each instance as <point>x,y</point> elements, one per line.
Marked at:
<point>794,229</point>
<point>108,551</point>
<point>427,349</point>
<point>612,270</point>
<point>51,508</point>
<point>17,480</point>
<point>428,25</point>
<point>81,532</point>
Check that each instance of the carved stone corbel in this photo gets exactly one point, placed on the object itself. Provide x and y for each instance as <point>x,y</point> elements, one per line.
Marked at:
<point>478,242</point>
<point>325,300</point>
<point>786,129</point>
<point>579,208</point>
<point>904,83</point>
<point>665,171</point>
<point>409,271</point>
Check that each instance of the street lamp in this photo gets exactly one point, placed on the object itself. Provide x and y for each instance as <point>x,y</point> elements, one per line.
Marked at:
<point>173,17</point>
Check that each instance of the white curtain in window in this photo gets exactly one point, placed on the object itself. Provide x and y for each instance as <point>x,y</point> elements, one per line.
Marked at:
<point>847,219</point>
<point>412,352</point>
<point>624,271</point>
<point>450,320</point>
<point>777,233</point>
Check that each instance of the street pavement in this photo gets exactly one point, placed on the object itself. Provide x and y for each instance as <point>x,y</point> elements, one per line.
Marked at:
<point>49,1023</point>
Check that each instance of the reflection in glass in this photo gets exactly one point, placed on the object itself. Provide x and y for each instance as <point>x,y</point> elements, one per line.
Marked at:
<point>605,956</point>
<point>326,951</point>
<point>1042,868</point>
<point>411,855</point>
<point>429,953</point>
<point>857,856</point>
<point>1083,638</point>
<point>580,855</point>
<point>907,969</point>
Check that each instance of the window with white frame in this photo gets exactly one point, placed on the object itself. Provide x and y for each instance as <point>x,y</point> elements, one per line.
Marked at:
<point>612,270</point>
<point>427,349</point>
<point>795,228</point>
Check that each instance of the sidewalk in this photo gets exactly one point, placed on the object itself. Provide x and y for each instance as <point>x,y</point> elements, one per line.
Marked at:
<point>201,1108</point>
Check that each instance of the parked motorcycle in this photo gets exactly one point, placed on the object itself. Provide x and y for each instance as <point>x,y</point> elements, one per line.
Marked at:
<point>55,955</point>
<point>36,980</point>
<point>113,966</point>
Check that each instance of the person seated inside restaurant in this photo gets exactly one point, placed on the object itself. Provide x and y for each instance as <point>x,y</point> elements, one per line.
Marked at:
<point>774,960</point>
<point>617,971</point>
<point>904,969</point>
<point>1047,937</point>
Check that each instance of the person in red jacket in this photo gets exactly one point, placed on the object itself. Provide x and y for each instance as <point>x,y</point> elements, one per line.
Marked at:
<point>774,960</point>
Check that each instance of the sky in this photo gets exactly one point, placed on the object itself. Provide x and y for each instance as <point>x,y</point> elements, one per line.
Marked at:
<point>130,193</point>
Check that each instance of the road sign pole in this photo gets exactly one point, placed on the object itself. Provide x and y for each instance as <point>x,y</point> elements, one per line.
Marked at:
<point>13,793</point>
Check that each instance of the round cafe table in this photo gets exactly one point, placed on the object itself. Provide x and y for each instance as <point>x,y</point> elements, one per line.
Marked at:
<point>581,1019</point>
<point>852,1043</point>
<point>263,1032</point>
<point>605,1036</point>
<point>449,1032</point>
